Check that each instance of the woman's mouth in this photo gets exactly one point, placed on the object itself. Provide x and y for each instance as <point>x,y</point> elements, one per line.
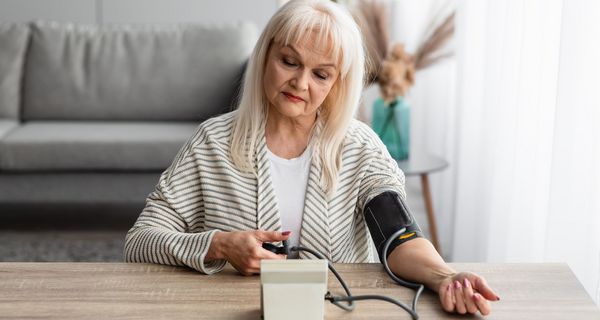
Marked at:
<point>292,97</point>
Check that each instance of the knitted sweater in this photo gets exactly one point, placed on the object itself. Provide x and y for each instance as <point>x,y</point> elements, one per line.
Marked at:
<point>202,192</point>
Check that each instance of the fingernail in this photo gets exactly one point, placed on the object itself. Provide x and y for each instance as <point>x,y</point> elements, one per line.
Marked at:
<point>467,284</point>
<point>497,298</point>
<point>285,233</point>
<point>457,284</point>
<point>449,287</point>
<point>475,297</point>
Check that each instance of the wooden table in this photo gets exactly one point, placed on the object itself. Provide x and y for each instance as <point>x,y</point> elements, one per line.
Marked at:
<point>146,291</point>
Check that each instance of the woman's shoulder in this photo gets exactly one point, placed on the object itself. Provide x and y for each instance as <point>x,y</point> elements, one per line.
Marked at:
<point>217,128</point>
<point>209,135</point>
<point>218,123</point>
<point>362,134</point>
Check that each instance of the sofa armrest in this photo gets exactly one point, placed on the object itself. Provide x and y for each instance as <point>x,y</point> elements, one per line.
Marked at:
<point>6,125</point>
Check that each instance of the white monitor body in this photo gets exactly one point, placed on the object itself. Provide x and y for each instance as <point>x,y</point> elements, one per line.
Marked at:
<point>293,289</point>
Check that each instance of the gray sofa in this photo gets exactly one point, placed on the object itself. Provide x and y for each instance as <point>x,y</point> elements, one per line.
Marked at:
<point>93,115</point>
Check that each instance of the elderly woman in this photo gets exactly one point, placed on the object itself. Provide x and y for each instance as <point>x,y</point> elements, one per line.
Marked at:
<point>291,157</point>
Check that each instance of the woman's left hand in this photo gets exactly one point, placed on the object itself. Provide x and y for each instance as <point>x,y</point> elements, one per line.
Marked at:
<point>466,292</point>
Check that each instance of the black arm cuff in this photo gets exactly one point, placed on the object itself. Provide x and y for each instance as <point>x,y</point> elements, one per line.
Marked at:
<point>385,215</point>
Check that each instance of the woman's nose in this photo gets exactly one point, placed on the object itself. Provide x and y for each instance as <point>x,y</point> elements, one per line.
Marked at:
<point>300,80</point>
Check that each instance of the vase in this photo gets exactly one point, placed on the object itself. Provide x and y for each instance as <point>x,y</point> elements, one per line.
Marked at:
<point>391,122</point>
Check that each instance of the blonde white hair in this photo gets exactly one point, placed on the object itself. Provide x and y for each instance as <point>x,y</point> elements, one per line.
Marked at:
<point>291,24</point>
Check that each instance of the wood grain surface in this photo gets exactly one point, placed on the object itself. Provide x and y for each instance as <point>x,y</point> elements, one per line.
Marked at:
<point>147,291</point>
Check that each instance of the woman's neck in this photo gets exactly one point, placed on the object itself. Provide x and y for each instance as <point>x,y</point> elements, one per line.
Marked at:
<point>288,137</point>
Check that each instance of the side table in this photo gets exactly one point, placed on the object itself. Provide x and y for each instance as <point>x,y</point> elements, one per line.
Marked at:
<point>423,165</point>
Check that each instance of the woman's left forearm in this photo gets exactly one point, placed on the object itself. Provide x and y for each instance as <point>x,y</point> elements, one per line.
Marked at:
<point>418,261</point>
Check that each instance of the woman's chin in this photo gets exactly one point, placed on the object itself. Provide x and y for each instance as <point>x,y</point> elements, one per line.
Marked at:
<point>290,110</point>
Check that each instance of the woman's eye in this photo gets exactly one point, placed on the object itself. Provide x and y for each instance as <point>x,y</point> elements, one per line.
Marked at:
<point>321,76</point>
<point>289,62</point>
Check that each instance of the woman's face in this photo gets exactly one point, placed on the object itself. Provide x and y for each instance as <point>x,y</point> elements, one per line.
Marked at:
<point>298,78</point>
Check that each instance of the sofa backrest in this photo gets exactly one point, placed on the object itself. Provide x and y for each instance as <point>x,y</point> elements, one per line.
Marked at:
<point>127,72</point>
<point>13,43</point>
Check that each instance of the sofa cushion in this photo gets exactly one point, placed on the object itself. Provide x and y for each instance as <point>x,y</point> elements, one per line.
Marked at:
<point>13,43</point>
<point>69,188</point>
<point>6,126</point>
<point>76,146</point>
<point>126,72</point>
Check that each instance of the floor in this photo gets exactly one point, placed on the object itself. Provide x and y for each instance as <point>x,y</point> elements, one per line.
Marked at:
<point>65,233</point>
<point>94,234</point>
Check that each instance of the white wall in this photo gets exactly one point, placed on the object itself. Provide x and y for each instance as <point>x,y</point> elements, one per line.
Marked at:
<point>83,11</point>
<point>138,11</point>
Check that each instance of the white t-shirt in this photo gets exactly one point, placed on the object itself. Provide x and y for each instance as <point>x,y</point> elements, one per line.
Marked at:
<point>290,178</point>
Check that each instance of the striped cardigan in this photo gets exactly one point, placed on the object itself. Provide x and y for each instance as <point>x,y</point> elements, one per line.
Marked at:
<point>202,192</point>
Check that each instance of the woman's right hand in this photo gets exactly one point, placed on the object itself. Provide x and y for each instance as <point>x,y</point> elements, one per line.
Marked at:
<point>243,249</point>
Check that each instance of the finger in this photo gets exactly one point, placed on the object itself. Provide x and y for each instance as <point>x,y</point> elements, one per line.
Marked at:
<point>272,236</point>
<point>251,271</point>
<point>261,253</point>
<point>243,270</point>
<point>447,302</point>
<point>459,296</point>
<point>480,285</point>
<point>253,266</point>
<point>268,255</point>
<point>482,304</point>
<point>468,296</point>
